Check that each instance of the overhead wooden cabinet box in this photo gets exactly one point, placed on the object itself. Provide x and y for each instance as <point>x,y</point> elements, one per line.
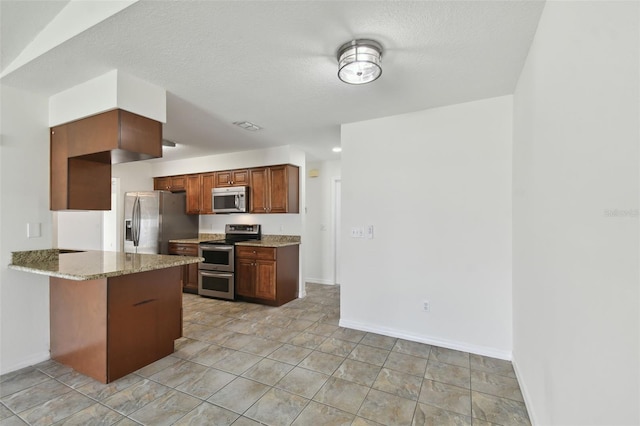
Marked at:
<point>82,152</point>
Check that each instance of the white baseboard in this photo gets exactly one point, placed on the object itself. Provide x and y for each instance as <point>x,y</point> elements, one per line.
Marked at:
<point>26,362</point>
<point>443,343</point>
<point>525,392</point>
<point>319,281</point>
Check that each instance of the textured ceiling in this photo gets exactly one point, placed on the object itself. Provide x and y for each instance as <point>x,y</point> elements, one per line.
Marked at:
<point>273,63</point>
<point>20,21</point>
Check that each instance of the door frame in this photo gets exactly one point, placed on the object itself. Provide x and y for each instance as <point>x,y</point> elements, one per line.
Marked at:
<point>336,209</point>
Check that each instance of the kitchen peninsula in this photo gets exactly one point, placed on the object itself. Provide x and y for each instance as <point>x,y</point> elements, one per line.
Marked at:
<point>111,313</point>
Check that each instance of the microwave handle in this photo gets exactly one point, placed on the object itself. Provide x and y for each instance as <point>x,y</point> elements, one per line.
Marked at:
<point>237,201</point>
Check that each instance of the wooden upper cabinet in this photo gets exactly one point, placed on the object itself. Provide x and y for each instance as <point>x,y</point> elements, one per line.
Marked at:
<point>275,189</point>
<point>208,183</point>
<point>198,189</point>
<point>232,178</point>
<point>82,152</point>
<point>194,199</point>
<point>125,135</point>
<point>281,195</point>
<point>59,169</point>
<point>170,183</point>
<point>76,183</point>
<point>258,199</point>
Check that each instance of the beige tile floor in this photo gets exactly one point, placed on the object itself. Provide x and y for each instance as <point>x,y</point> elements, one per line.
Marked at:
<point>244,364</point>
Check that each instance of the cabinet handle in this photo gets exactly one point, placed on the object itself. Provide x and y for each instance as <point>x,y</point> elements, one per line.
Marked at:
<point>144,302</point>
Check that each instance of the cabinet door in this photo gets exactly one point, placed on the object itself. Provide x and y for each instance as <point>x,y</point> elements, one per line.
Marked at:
<point>240,178</point>
<point>232,178</point>
<point>133,325</point>
<point>189,273</point>
<point>193,194</point>
<point>94,134</point>
<point>170,183</point>
<point>259,190</point>
<point>177,183</point>
<point>208,183</point>
<point>265,279</point>
<point>59,168</point>
<point>278,190</point>
<point>162,183</point>
<point>191,278</point>
<point>223,179</point>
<point>245,277</point>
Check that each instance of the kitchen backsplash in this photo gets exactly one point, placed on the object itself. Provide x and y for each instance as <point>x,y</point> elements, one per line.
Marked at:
<point>272,224</point>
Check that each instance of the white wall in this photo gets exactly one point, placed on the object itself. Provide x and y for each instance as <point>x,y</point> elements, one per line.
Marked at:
<point>109,91</point>
<point>24,185</point>
<point>319,243</point>
<point>575,259</point>
<point>436,186</point>
<point>77,230</point>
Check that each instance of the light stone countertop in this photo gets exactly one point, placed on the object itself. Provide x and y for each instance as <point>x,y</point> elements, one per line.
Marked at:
<point>93,264</point>
<point>266,241</point>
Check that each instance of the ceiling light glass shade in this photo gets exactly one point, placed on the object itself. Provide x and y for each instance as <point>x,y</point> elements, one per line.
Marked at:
<point>359,61</point>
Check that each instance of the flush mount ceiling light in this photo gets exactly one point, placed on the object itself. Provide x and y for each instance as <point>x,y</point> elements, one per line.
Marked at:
<point>247,125</point>
<point>336,149</point>
<point>359,61</point>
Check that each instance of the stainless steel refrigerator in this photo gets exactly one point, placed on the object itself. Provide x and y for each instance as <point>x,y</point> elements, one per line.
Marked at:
<point>152,218</point>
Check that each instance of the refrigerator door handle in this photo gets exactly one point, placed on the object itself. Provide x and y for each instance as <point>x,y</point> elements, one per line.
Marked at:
<point>136,222</point>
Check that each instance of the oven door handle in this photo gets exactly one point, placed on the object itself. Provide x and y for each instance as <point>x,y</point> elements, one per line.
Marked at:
<point>215,274</point>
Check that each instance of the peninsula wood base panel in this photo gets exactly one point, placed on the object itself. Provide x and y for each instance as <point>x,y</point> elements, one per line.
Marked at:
<point>107,328</point>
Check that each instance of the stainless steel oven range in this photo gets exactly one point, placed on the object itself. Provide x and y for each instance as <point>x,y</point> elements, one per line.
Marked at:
<point>216,272</point>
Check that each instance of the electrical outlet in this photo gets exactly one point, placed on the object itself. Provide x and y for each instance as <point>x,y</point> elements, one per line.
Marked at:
<point>357,232</point>
<point>426,306</point>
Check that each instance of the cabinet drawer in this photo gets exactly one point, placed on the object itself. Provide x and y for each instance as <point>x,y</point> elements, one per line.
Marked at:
<point>183,249</point>
<point>261,253</point>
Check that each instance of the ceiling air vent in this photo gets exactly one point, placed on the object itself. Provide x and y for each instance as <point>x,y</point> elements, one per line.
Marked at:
<point>247,125</point>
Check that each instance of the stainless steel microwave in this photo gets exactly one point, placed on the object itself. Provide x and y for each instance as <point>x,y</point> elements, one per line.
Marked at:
<point>234,199</point>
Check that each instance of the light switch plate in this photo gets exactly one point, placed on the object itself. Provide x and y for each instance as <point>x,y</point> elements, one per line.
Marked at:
<point>34,230</point>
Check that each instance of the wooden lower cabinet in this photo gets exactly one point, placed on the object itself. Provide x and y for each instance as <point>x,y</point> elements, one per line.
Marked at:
<point>110,327</point>
<point>189,276</point>
<point>267,275</point>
